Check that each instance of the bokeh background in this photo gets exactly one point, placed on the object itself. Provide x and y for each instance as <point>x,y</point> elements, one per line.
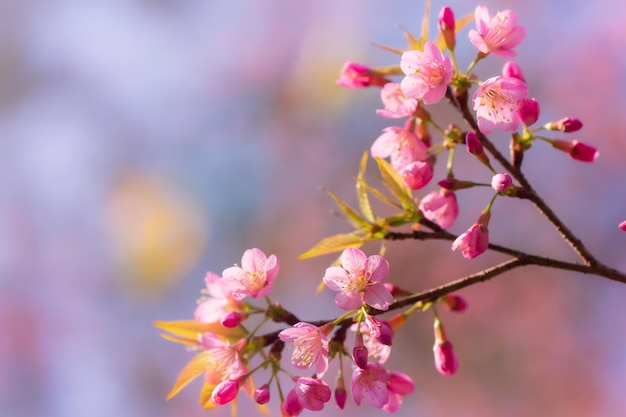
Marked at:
<point>145,142</point>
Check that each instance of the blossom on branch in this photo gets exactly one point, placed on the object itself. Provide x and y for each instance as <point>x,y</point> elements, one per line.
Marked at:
<point>358,281</point>
<point>497,35</point>
<point>310,346</point>
<point>401,145</point>
<point>397,105</point>
<point>427,73</point>
<point>440,207</point>
<point>255,277</point>
<point>496,103</point>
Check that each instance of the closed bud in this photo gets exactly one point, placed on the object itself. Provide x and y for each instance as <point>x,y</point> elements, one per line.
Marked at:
<point>446,361</point>
<point>474,146</point>
<point>501,182</point>
<point>454,184</point>
<point>454,303</point>
<point>622,226</point>
<point>447,26</point>
<point>528,110</point>
<point>577,150</point>
<point>355,75</point>
<point>225,392</point>
<point>359,353</point>
<point>231,319</point>
<point>340,392</point>
<point>380,330</point>
<point>262,394</point>
<point>566,125</point>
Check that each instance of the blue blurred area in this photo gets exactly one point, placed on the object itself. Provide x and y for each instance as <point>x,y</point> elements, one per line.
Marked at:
<point>145,142</point>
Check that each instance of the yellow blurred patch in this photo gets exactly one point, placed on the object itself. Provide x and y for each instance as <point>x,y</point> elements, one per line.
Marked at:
<point>156,232</point>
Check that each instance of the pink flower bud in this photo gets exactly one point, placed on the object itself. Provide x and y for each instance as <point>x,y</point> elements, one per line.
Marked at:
<point>262,394</point>
<point>528,110</point>
<point>225,392</point>
<point>340,392</point>
<point>446,361</point>
<point>501,182</point>
<point>231,319</point>
<point>355,75</point>
<point>440,207</point>
<point>454,184</point>
<point>380,330</point>
<point>566,124</point>
<point>577,150</point>
<point>417,174</point>
<point>473,242</point>
<point>312,393</point>
<point>622,225</point>
<point>447,26</point>
<point>454,303</point>
<point>291,406</point>
<point>359,353</point>
<point>473,143</point>
<point>511,69</point>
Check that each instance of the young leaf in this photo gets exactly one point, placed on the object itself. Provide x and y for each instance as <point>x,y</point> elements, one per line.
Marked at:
<point>414,43</point>
<point>191,371</point>
<point>389,49</point>
<point>334,243</point>
<point>361,191</point>
<point>394,183</point>
<point>187,331</point>
<point>425,21</point>
<point>353,216</point>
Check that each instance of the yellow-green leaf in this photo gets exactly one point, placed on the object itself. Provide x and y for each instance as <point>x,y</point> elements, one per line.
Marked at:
<point>394,183</point>
<point>384,71</point>
<point>425,20</point>
<point>353,216</point>
<point>184,331</point>
<point>191,371</point>
<point>334,243</point>
<point>361,191</point>
<point>382,197</point>
<point>389,49</point>
<point>412,41</point>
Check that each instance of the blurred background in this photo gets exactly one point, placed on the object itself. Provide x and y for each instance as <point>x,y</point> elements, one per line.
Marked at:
<point>146,142</point>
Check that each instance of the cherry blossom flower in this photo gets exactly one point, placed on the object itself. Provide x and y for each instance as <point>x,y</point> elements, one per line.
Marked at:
<point>220,301</point>
<point>255,277</point>
<point>427,73</point>
<point>223,360</point>
<point>577,150</point>
<point>358,281</point>
<point>501,182</point>
<point>496,102</point>
<point>401,144</point>
<point>400,385</point>
<point>355,75</point>
<point>397,105</point>
<point>310,346</point>
<point>440,207</point>
<point>371,385</point>
<point>312,393</point>
<point>498,35</point>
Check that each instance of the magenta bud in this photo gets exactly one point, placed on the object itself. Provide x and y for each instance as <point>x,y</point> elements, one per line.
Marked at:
<point>622,226</point>
<point>262,394</point>
<point>528,110</point>
<point>225,392</point>
<point>446,26</point>
<point>340,396</point>
<point>511,69</point>
<point>566,125</point>
<point>577,150</point>
<point>454,303</point>
<point>354,75</point>
<point>446,361</point>
<point>501,182</point>
<point>473,143</point>
<point>231,319</point>
<point>292,406</point>
<point>380,330</point>
<point>359,353</point>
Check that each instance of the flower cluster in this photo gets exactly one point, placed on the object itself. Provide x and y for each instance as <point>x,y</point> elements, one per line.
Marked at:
<point>234,350</point>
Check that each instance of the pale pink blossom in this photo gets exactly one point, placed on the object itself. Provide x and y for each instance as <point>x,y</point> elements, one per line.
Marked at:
<point>528,110</point>
<point>401,145</point>
<point>223,360</point>
<point>577,150</point>
<point>417,174</point>
<point>371,385</point>
<point>310,346</point>
<point>219,302</point>
<point>358,281</point>
<point>498,35</point>
<point>255,277</point>
<point>473,242</point>
<point>440,207</point>
<point>501,182</point>
<point>312,393</point>
<point>400,385</point>
<point>427,73</point>
<point>354,75</point>
<point>225,392</point>
<point>397,105</point>
<point>496,102</point>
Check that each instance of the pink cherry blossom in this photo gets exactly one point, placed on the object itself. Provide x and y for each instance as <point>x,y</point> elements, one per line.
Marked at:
<point>498,35</point>
<point>255,277</point>
<point>427,73</point>
<point>312,393</point>
<point>358,281</point>
<point>223,360</point>
<point>417,174</point>
<point>354,75</point>
<point>473,242</point>
<point>371,385</point>
<point>496,102</point>
<point>400,385</point>
<point>397,105</point>
<point>440,207</point>
<point>219,301</point>
<point>401,144</point>
<point>310,346</point>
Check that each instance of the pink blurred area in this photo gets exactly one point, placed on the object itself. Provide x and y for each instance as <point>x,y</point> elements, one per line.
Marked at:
<point>145,142</point>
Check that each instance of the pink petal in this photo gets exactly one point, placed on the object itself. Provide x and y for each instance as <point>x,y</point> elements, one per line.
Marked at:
<point>336,278</point>
<point>378,267</point>
<point>348,301</point>
<point>378,296</point>
<point>253,260</point>
<point>352,259</point>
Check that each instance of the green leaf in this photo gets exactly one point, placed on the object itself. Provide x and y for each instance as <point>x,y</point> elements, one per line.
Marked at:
<point>361,191</point>
<point>394,183</point>
<point>334,243</point>
<point>353,216</point>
